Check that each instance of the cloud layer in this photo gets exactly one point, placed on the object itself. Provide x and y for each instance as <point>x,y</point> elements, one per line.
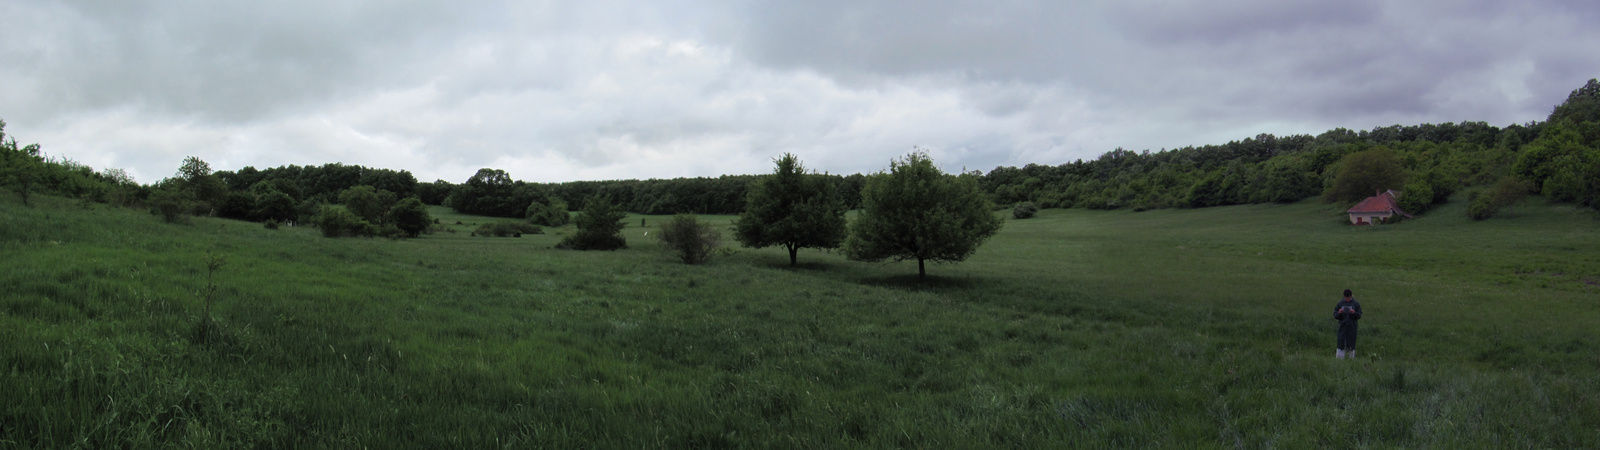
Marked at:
<point>558,91</point>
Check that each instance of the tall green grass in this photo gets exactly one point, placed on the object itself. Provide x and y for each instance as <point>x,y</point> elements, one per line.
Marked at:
<point>1172,328</point>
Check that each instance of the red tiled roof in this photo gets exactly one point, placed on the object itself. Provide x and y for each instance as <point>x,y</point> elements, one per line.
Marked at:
<point>1383,202</point>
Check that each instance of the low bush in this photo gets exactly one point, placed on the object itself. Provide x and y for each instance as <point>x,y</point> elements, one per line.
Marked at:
<point>238,206</point>
<point>1417,197</point>
<point>170,204</point>
<point>689,239</point>
<point>507,229</point>
<point>1480,208</point>
<point>552,214</point>
<point>1024,210</point>
<point>590,241</point>
<point>1504,194</point>
<point>338,221</point>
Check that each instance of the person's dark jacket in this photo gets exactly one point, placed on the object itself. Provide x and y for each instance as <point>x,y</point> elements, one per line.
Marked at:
<point>1347,312</point>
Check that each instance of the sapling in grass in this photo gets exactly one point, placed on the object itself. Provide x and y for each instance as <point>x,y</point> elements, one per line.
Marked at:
<point>208,293</point>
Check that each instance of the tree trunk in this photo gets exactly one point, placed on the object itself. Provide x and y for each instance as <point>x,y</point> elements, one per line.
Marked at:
<point>922,270</point>
<point>792,258</point>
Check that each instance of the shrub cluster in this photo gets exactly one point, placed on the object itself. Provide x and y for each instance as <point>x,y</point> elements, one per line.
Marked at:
<point>406,218</point>
<point>410,216</point>
<point>550,214</point>
<point>1024,210</point>
<point>169,204</point>
<point>1417,197</point>
<point>689,239</point>
<point>1505,193</point>
<point>507,229</point>
<point>338,221</point>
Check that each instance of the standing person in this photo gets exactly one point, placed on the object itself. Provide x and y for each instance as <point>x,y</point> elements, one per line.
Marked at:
<point>1347,312</point>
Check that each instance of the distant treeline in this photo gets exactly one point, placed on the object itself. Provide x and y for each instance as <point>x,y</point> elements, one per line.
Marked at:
<point>321,183</point>
<point>492,192</point>
<point>721,195</point>
<point>1558,158</point>
<point>1262,169</point>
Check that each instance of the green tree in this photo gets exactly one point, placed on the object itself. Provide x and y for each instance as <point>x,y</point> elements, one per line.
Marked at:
<point>491,192</point>
<point>1024,210</point>
<point>1206,192</point>
<point>551,213</point>
<point>1504,194</point>
<point>1543,158</point>
<point>1582,105</point>
<point>206,192</point>
<point>338,221</point>
<point>237,205</point>
<point>411,216</point>
<point>274,206</point>
<point>1576,178</point>
<point>1417,197</point>
<point>20,168</point>
<point>434,193</point>
<point>170,200</point>
<point>367,202</point>
<point>691,240</point>
<point>915,211</point>
<point>1364,173</point>
<point>792,209</point>
<point>1285,180</point>
<point>122,189</point>
<point>193,167</point>
<point>599,226</point>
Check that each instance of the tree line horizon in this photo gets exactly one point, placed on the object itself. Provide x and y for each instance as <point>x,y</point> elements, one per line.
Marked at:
<point>1558,158</point>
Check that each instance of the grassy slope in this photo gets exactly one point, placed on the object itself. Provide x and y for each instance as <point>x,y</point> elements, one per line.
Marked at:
<point>1158,328</point>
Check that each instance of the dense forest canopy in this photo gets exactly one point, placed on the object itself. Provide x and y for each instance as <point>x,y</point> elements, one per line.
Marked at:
<point>1435,160</point>
<point>1558,158</point>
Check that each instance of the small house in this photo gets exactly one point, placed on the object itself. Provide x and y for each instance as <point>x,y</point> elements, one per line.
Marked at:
<point>1376,209</point>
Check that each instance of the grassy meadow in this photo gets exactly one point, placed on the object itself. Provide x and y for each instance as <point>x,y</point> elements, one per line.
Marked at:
<point>1167,328</point>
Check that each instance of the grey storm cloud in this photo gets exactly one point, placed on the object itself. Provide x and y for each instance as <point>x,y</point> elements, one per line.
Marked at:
<point>554,91</point>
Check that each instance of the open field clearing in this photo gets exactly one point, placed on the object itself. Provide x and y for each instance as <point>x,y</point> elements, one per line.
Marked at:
<point>1169,328</point>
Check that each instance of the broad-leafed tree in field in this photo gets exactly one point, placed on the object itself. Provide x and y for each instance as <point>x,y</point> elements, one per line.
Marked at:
<point>1363,174</point>
<point>915,211</point>
<point>368,203</point>
<point>792,209</point>
<point>411,216</point>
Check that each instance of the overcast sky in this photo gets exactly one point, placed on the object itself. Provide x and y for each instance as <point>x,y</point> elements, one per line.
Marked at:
<point>599,89</point>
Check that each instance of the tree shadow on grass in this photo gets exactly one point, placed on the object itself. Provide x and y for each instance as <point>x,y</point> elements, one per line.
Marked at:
<point>849,272</point>
<point>781,262</point>
<point>911,282</point>
<point>802,266</point>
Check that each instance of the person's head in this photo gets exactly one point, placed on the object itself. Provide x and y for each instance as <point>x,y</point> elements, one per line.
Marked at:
<point>1346,293</point>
